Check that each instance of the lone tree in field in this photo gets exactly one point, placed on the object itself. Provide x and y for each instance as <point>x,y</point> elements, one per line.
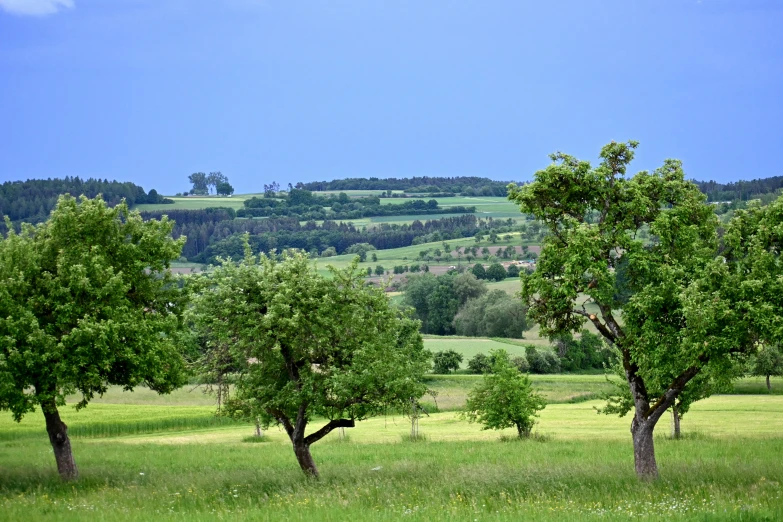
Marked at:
<point>679,319</point>
<point>504,399</point>
<point>86,301</point>
<point>307,346</point>
<point>768,362</point>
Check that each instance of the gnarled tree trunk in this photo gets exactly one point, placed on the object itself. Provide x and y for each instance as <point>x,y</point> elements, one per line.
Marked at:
<point>61,444</point>
<point>306,462</point>
<point>644,449</point>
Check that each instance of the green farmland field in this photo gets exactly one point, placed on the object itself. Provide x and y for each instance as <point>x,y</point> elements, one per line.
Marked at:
<point>578,467</point>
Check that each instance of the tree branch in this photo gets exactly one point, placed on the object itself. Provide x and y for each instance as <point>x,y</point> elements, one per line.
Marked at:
<point>323,432</point>
<point>675,388</point>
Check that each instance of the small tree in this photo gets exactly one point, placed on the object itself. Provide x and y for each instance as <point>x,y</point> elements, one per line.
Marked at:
<point>446,361</point>
<point>86,301</point>
<point>479,363</point>
<point>379,270</point>
<point>224,188</point>
<point>504,399</point>
<point>361,250</point>
<point>308,346</point>
<point>496,272</point>
<point>768,362</point>
<point>479,271</point>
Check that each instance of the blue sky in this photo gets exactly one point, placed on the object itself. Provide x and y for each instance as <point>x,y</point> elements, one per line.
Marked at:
<point>287,90</point>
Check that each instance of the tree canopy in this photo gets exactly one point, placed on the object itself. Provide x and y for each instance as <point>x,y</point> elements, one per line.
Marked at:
<point>679,319</point>
<point>87,301</point>
<point>307,346</point>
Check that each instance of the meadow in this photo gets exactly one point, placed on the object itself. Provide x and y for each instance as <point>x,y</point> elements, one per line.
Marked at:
<point>495,207</point>
<point>579,466</point>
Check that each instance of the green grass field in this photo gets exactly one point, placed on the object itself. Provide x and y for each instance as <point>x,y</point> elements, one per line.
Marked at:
<point>495,207</point>
<point>579,467</point>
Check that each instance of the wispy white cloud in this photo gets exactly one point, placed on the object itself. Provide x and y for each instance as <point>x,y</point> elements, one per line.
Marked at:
<point>35,7</point>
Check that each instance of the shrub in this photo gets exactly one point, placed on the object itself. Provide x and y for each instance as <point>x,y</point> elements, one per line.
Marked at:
<point>446,361</point>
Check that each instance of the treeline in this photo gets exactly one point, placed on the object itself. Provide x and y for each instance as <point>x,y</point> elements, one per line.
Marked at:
<point>308,206</point>
<point>740,190</point>
<point>31,201</point>
<point>213,233</point>
<point>586,353</point>
<point>463,185</point>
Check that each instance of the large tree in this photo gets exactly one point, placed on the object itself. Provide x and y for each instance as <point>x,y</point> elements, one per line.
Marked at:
<point>308,346</point>
<point>676,323</point>
<point>87,301</point>
<point>215,179</point>
<point>200,183</point>
<point>753,246</point>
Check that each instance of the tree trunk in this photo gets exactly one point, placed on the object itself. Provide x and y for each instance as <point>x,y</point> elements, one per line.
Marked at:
<point>61,444</point>
<point>305,460</point>
<point>769,388</point>
<point>644,450</point>
<point>676,422</point>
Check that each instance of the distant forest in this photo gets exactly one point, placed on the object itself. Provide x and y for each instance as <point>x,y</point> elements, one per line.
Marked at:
<point>215,233</point>
<point>32,200</point>
<point>740,190</point>
<point>477,186</point>
<point>462,185</point>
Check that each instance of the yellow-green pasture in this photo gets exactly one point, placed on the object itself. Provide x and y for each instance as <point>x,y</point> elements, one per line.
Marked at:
<point>578,467</point>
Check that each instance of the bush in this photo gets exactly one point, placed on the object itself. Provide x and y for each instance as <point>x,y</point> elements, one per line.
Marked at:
<point>479,364</point>
<point>541,361</point>
<point>446,361</point>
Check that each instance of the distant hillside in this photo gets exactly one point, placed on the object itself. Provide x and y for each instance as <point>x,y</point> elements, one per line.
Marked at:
<point>740,190</point>
<point>31,201</point>
<point>463,185</point>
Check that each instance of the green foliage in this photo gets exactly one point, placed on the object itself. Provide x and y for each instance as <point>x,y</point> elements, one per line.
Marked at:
<point>479,363</point>
<point>587,352</point>
<point>224,188</point>
<point>495,314</point>
<point>308,346</point>
<point>504,399</point>
<point>87,301</point>
<point>496,272</point>
<point>360,249</point>
<point>446,361</point>
<point>541,361</point>
<point>768,361</point>
<point>436,299</point>
<point>479,271</point>
<point>680,319</point>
